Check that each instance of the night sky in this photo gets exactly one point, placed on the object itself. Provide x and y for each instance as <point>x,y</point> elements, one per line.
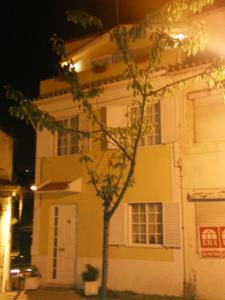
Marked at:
<point>27,57</point>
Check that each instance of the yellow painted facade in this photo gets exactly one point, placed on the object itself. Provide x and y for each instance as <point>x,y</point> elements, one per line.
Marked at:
<point>154,183</point>
<point>152,173</point>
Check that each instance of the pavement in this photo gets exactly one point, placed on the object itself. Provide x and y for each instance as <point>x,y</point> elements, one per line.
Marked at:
<point>43,293</point>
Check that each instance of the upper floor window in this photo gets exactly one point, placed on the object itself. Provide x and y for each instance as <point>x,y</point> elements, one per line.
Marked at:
<point>151,116</point>
<point>68,143</point>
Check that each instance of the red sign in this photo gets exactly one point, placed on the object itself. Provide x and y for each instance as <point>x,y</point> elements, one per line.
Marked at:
<point>212,241</point>
<point>222,236</point>
<point>209,237</point>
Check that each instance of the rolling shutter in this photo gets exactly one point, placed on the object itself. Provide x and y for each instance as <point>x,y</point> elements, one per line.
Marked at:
<point>168,120</point>
<point>171,225</point>
<point>210,213</point>
<point>118,226</point>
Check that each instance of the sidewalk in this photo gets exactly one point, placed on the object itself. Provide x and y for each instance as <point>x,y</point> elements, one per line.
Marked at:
<point>43,293</point>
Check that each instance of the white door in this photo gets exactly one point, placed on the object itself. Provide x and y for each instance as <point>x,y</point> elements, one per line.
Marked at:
<point>62,244</point>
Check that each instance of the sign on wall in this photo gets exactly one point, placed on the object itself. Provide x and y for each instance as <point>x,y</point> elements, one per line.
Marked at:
<point>212,241</point>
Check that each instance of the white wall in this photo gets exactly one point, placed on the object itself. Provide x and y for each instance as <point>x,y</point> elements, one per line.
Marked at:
<point>203,169</point>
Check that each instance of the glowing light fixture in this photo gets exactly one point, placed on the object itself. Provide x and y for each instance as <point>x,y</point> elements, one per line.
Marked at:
<point>33,187</point>
<point>28,269</point>
<point>15,271</point>
<point>76,66</point>
<point>178,36</point>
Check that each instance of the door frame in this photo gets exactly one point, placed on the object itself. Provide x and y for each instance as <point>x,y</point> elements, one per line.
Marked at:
<point>50,279</point>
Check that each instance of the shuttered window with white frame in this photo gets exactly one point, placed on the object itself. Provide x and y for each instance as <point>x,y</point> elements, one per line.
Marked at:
<point>149,224</point>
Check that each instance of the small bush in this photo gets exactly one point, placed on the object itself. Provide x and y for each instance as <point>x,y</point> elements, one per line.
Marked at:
<point>91,273</point>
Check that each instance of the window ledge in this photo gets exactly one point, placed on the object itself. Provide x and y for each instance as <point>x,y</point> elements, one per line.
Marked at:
<point>157,246</point>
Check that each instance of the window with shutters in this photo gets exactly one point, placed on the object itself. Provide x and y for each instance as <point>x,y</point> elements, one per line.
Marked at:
<point>146,223</point>
<point>68,143</point>
<point>152,117</point>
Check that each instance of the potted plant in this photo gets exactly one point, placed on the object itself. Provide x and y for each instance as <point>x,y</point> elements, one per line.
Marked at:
<point>90,278</point>
<point>32,279</point>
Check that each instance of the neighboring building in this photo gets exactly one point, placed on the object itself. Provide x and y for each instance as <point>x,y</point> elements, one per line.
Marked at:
<point>9,206</point>
<point>168,234</point>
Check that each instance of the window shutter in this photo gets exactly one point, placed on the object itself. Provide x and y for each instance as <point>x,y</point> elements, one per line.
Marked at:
<point>45,144</point>
<point>171,225</point>
<point>113,116</point>
<point>84,126</point>
<point>118,226</point>
<point>168,120</point>
<point>116,117</point>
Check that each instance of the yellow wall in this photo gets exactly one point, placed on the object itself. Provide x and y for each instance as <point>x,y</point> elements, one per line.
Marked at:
<point>153,183</point>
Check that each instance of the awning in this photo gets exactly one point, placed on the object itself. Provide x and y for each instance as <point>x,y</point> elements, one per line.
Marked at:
<point>57,186</point>
<point>207,195</point>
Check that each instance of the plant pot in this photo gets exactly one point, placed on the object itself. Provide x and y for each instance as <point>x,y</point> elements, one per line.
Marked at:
<point>90,288</point>
<point>32,283</point>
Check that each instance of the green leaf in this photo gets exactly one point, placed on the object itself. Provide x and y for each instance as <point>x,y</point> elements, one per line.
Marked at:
<point>84,19</point>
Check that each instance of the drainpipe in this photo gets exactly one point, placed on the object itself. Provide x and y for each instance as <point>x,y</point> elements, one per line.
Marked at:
<point>178,165</point>
<point>183,229</point>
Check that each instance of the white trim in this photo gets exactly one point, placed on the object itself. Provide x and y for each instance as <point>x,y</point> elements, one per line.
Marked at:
<point>141,245</point>
<point>50,244</point>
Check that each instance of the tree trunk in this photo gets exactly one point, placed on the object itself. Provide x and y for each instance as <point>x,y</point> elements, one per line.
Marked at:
<point>103,294</point>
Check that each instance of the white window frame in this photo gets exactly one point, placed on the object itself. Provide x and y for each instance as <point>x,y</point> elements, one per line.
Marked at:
<point>171,227</point>
<point>121,230</point>
<point>68,138</point>
<point>154,118</point>
<point>145,244</point>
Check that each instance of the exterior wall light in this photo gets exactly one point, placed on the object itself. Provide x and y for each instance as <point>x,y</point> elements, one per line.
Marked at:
<point>33,187</point>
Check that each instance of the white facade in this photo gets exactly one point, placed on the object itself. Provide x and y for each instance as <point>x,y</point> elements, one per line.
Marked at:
<point>203,167</point>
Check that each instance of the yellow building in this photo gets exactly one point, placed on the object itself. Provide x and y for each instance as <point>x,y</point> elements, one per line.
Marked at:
<point>9,194</point>
<point>157,233</point>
